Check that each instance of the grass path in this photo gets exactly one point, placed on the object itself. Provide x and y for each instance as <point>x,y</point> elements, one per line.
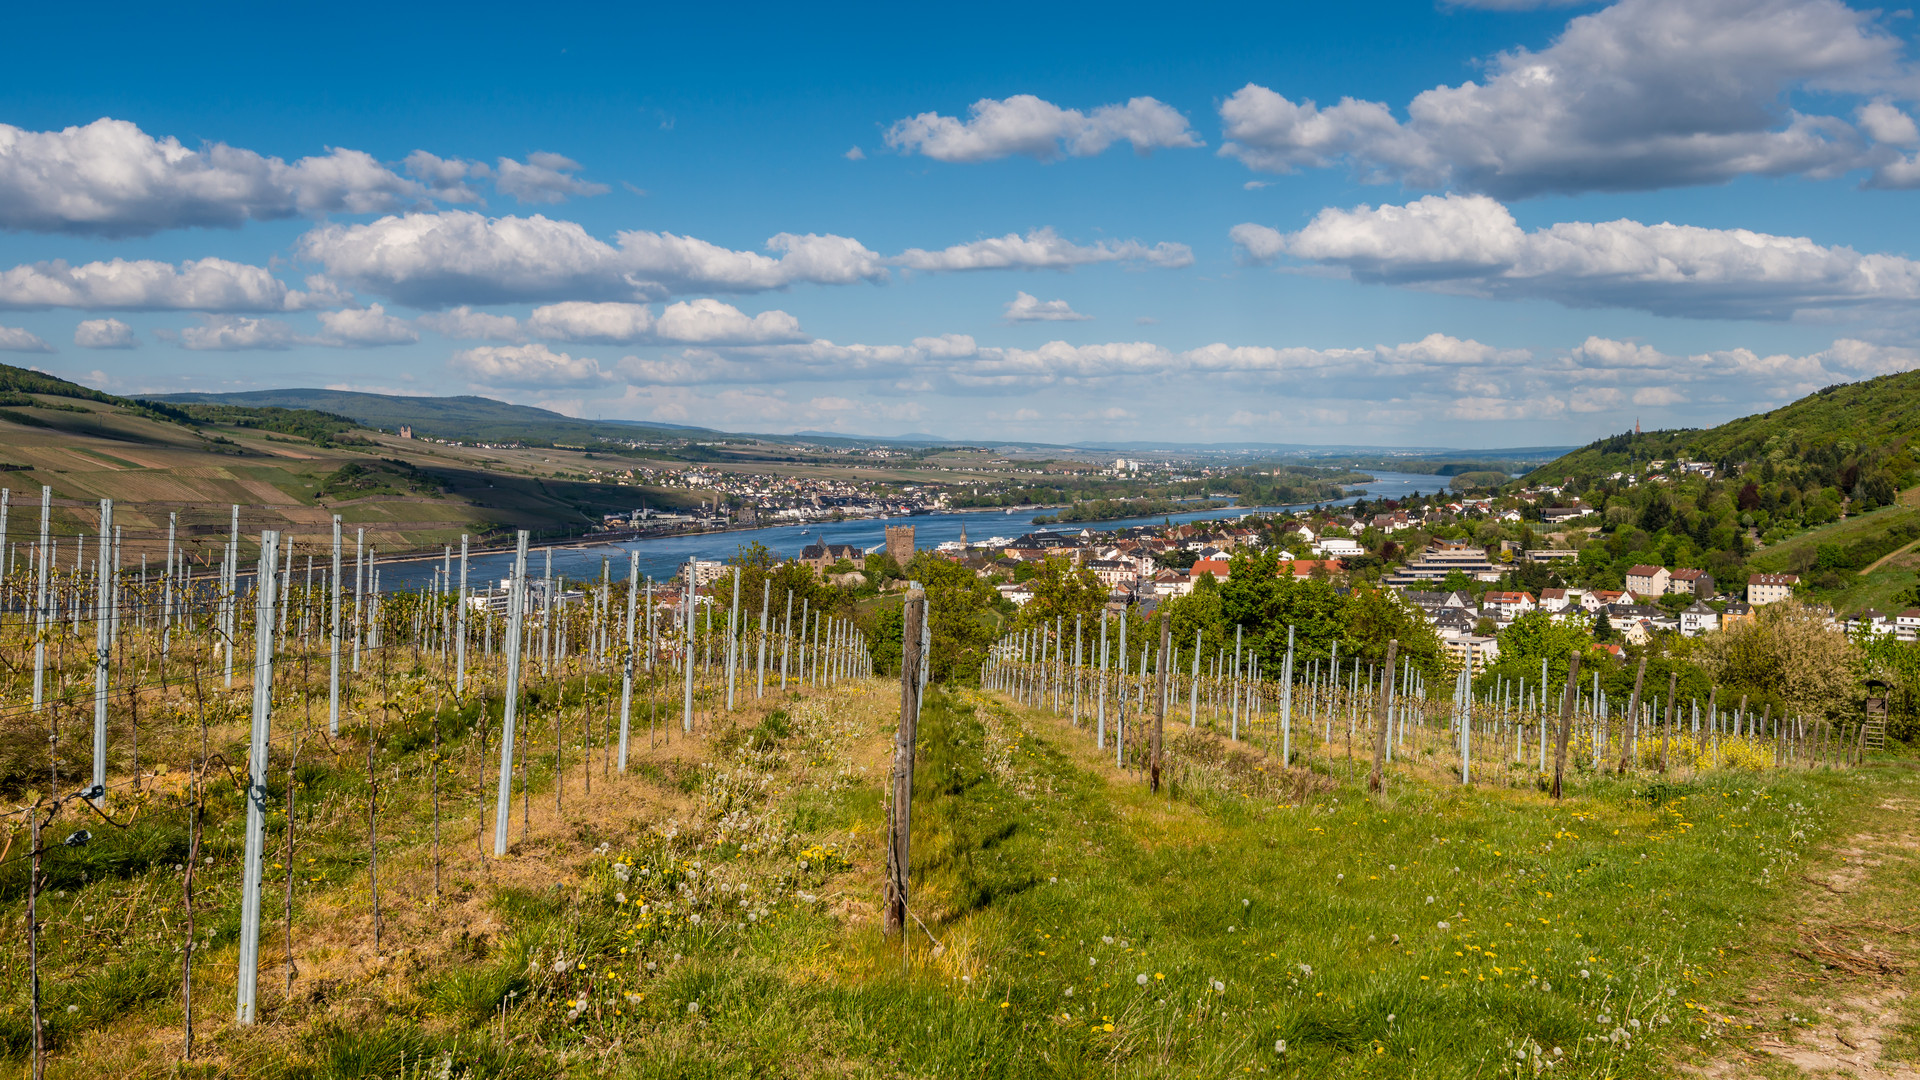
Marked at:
<point>1882,560</point>
<point>1835,988</point>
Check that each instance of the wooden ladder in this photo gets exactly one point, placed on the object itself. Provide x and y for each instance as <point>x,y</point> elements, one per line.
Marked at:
<point>1876,732</point>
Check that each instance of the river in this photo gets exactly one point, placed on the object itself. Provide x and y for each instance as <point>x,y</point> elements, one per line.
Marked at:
<point>662,557</point>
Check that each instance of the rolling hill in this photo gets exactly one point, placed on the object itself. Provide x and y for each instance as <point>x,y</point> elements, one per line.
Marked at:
<point>1880,414</point>
<point>288,468</point>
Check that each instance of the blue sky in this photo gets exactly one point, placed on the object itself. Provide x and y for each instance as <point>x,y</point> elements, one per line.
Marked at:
<point>1487,224</point>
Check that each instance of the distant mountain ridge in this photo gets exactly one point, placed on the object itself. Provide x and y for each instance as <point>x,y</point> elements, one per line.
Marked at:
<point>465,417</point>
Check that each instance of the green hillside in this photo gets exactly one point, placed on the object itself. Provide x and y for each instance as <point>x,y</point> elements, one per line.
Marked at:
<point>290,468</point>
<point>1866,423</point>
<point>1812,488</point>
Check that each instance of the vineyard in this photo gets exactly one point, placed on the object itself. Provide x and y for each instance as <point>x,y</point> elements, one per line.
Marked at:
<point>269,818</point>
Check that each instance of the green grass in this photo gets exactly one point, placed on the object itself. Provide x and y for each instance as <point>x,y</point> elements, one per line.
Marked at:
<point>1436,931</point>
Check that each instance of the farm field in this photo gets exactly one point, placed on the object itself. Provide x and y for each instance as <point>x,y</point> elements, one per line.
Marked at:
<point>714,910</point>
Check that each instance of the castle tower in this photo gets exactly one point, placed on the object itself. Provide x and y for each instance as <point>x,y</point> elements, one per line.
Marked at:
<point>900,543</point>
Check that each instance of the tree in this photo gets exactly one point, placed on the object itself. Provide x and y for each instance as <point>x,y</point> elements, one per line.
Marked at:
<point>1537,635</point>
<point>1061,590</point>
<point>960,609</point>
<point>1657,514</point>
<point>757,564</point>
<point>1786,653</point>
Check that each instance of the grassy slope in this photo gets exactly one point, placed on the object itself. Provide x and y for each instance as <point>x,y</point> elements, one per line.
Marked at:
<point>1878,589</point>
<point>1439,931</point>
<point>150,468</point>
<point>1871,413</point>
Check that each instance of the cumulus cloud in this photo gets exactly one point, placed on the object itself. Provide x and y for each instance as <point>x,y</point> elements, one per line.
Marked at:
<point>706,322</point>
<point>14,339</point>
<point>544,178</point>
<point>1027,125</point>
<point>1024,307</point>
<point>354,328</point>
<point>148,285</point>
<point>1472,244</point>
<point>104,334</point>
<point>1042,249</point>
<point>446,178</point>
<point>236,333</point>
<point>526,365</point>
<point>456,256</point>
<point>110,178</point>
<point>1644,94</point>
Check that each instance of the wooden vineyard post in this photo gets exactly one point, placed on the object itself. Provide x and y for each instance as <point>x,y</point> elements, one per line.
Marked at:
<point>1160,703</point>
<point>1632,717</point>
<point>1666,739</point>
<point>900,808</point>
<point>1566,722</point>
<point>1380,725</point>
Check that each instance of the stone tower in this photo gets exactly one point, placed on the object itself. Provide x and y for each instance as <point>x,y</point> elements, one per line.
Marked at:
<point>900,543</point>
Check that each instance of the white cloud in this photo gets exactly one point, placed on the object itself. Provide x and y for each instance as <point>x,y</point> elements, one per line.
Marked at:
<point>110,178</point>
<point>457,256</point>
<point>14,339</point>
<point>148,285</point>
<point>1471,244</point>
<point>1644,94</point>
<point>702,322</point>
<point>236,333</point>
<point>526,365</point>
<point>465,324</point>
<point>583,321</point>
<point>446,177</point>
<point>460,257</point>
<point>1887,124</point>
<point>544,178</point>
<point>1041,249</point>
<point>1024,124</point>
<point>855,154</point>
<point>1024,307</point>
<point>712,322</point>
<point>365,326</point>
<point>104,334</point>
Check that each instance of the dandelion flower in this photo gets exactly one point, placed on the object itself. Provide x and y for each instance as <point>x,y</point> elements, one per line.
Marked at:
<point>1219,987</point>
<point>1141,978</point>
<point>1444,925</point>
<point>1585,974</point>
